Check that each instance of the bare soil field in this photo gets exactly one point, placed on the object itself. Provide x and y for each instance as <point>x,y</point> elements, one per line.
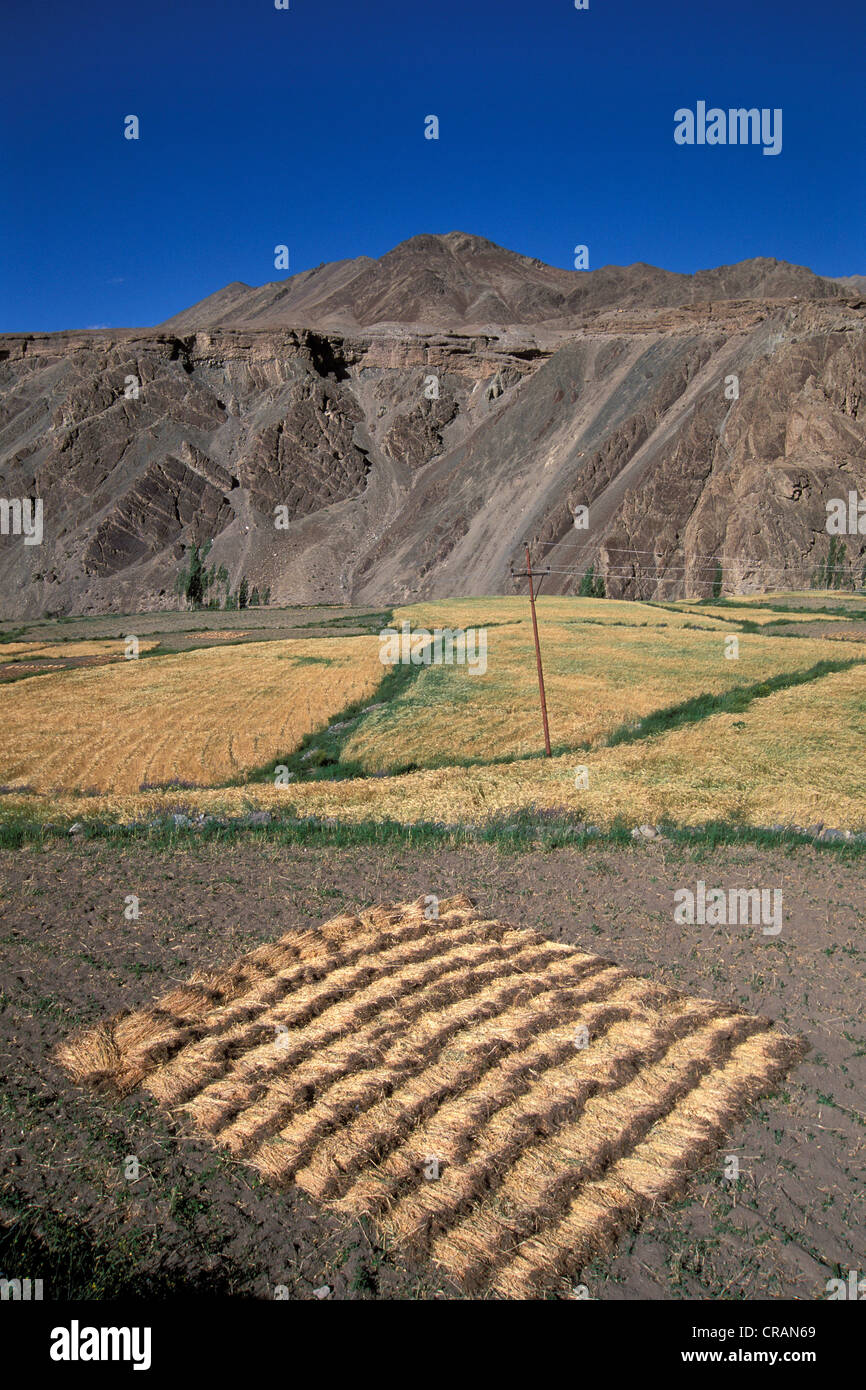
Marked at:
<point>195,1219</point>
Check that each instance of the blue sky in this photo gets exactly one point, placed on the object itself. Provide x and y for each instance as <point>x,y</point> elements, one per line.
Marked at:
<point>306,127</point>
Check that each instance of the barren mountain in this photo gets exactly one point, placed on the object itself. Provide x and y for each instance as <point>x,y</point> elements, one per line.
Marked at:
<point>412,419</point>
<point>855,284</point>
<point>466,282</point>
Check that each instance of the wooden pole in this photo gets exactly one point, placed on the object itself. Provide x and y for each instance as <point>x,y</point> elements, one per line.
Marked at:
<point>538,655</point>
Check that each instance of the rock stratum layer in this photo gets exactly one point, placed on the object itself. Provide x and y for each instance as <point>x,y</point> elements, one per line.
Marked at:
<point>419,416</point>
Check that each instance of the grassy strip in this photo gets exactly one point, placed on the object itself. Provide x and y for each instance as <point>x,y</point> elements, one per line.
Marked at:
<point>532,828</point>
<point>319,756</point>
<point>777,627</point>
<point>648,626</point>
<point>734,701</point>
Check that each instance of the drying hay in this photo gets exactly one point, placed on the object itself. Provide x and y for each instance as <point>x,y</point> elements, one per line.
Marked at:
<point>507,1103</point>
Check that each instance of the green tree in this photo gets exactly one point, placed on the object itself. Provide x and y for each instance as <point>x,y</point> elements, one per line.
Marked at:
<point>194,580</point>
<point>832,575</point>
<point>190,582</point>
<point>243,593</point>
<point>591,584</point>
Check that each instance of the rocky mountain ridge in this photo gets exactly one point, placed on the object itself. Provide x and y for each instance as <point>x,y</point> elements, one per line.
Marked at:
<point>463,281</point>
<point>395,460</point>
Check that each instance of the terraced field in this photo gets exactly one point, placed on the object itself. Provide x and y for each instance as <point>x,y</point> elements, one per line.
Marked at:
<point>198,717</point>
<point>31,651</point>
<point>606,665</point>
<point>652,700</point>
<point>406,1103</point>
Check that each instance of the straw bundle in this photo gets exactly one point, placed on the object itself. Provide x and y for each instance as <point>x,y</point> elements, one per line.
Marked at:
<point>507,1103</point>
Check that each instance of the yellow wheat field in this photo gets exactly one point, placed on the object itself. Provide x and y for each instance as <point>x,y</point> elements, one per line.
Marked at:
<point>457,612</point>
<point>200,716</point>
<point>791,757</point>
<point>26,651</point>
<point>806,597</point>
<point>506,1103</point>
<point>212,635</point>
<point>757,614</point>
<point>206,716</point>
<point>598,675</point>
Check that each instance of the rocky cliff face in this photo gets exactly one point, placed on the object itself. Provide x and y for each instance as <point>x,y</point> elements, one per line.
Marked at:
<point>376,462</point>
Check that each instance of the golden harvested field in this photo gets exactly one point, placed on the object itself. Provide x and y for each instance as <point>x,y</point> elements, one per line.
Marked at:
<point>598,676</point>
<point>210,636</point>
<point>210,716</point>
<point>506,1103</point>
<point>808,598</point>
<point>790,757</point>
<point>27,651</point>
<point>466,612</point>
<point>201,716</point>
<point>757,614</point>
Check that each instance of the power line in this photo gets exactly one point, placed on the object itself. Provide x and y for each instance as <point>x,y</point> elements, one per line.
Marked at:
<point>692,569</point>
<point>620,550</point>
<point>633,550</point>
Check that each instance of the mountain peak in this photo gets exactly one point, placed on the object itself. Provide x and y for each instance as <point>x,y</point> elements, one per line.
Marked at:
<point>461,281</point>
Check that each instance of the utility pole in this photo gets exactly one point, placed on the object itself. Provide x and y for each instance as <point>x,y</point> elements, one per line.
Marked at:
<point>528,574</point>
